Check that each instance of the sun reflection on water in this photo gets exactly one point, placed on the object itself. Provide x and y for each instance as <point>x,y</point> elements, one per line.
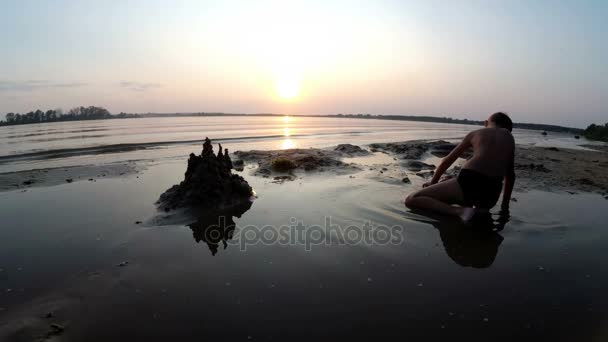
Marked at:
<point>287,142</point>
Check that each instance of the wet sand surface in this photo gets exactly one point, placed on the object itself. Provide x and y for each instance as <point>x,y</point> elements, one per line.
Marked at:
<point>92,259</point>
<point>108,266</point>
<point>24,180</point>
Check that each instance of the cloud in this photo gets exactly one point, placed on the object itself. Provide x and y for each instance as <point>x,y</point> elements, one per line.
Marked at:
<point>31,85</point>
<point>139,86</point>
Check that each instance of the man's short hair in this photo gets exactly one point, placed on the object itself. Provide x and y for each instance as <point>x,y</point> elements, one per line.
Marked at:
<point>502,120</point>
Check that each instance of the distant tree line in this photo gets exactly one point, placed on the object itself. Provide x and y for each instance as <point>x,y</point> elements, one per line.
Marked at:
<point>532,126</point>
<point>55,115</point>
<point>597,132</point>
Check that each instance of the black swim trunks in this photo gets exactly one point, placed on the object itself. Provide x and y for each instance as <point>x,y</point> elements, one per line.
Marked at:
<point>479,190</point>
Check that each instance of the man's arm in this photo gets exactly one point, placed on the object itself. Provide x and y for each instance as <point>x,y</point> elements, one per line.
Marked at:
<point>451,158</point>
<point>509,182</point>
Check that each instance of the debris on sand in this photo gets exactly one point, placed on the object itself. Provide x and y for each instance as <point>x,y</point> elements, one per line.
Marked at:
<point>208,183</point>
<point>238,165</point>
<point>413,165</point>
<point>410,149</point>
<point>427,174</point>
<point>282,164</point>
<point>532,167</point>
<point>585,181</point>
<point>287,161</point>
<point>442,150</point>
<point>283,178</point>
<point>351,150</point>
<point>55,329</point>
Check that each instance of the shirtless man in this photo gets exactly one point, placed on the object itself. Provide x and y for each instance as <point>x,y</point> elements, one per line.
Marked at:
<point>479,183</point>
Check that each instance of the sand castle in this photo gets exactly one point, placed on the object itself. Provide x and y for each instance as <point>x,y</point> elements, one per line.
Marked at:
<point>208,183</point>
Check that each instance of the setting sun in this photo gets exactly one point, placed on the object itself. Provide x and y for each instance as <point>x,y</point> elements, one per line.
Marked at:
<point>287,87</point>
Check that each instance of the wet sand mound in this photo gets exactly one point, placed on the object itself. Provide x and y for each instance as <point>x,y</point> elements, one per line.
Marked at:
<point>409,149</point>
<point>350,150</point>
<point>285,161</point>
<point>208,183</point>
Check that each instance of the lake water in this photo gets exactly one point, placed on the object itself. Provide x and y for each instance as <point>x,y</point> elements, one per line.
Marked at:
<point>77,250</point>
<point>59,144</point>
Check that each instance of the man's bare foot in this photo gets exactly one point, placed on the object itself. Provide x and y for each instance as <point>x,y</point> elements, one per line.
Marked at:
<point>467,214</point>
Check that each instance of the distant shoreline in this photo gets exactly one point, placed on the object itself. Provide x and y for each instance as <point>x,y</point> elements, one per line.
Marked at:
<point>433,119</point>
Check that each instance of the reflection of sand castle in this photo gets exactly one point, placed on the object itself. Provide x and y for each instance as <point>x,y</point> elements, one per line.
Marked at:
<point>208,183</point>
<point>217,227</point>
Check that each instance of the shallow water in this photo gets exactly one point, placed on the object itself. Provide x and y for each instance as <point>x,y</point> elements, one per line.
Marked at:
<point>540,276</point>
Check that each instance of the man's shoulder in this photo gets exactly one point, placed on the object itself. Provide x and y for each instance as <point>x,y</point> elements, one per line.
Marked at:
<point>488,132</point>
<point>480,131</point>
<point>492,130</point>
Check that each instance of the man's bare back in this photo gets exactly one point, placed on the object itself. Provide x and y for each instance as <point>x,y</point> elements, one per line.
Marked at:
<point>493,150</point>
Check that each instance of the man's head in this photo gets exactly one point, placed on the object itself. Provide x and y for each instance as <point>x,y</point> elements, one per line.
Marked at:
<point>501,120</point>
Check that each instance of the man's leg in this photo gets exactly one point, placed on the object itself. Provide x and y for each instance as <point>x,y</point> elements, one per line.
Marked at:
<point>439,198</point>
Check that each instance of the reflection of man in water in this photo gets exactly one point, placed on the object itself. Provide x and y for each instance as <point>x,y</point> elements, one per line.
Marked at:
<point>475,246</point>
<point>469,248</point>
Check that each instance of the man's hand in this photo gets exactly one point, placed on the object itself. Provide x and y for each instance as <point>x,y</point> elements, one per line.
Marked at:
<point>428,184</point>
<point>433,181</point>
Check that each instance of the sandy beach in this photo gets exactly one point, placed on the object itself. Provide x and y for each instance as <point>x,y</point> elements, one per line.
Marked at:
<point>537,168</point>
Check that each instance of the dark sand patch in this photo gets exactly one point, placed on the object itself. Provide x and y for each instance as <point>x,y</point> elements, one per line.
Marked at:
<point>22,180</point>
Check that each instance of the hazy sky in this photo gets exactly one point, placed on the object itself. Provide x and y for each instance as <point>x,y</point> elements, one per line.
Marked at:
<point>541,61</point>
